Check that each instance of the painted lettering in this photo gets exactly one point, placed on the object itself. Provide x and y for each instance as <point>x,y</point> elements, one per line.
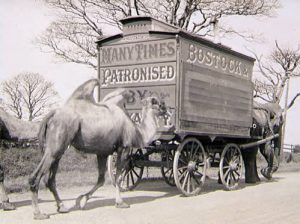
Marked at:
<point>137,52</point>
<point>118,76</point>
<point>217,60</point>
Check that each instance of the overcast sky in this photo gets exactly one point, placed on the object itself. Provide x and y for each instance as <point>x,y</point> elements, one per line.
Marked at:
<point>22,20</point>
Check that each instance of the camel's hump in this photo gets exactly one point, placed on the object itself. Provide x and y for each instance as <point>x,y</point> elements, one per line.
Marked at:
<point>85,91</point>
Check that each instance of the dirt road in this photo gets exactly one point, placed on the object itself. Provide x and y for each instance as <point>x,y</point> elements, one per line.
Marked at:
<point>272,202</point>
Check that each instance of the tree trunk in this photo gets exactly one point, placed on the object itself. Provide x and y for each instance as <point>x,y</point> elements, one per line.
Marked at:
<point>249,157</point>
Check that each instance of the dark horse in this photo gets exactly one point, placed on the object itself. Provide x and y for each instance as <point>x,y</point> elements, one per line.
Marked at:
<point>268,118</point>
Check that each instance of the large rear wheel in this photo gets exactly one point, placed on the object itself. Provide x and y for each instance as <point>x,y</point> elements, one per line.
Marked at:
<point>190,167</point>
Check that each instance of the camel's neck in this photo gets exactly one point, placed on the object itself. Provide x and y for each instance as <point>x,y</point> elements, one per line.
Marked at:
<point>148,126</point>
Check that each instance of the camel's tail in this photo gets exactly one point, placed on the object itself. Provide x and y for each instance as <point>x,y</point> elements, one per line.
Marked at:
<point>43,130</point>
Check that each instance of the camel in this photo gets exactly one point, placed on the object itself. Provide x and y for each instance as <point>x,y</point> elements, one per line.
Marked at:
<point>90,127</point>
<point>269,119</point>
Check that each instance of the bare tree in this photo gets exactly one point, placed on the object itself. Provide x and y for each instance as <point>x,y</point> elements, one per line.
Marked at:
<point>28,95</point>
<point>13,101</point>
<point>275,71</point>
<point>80,22</point>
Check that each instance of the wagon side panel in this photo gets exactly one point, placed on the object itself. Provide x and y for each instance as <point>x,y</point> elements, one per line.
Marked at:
<point>216,91</point>
<point>146,65</point>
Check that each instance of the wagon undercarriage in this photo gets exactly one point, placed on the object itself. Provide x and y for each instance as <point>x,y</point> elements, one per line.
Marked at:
<point>185,164</point>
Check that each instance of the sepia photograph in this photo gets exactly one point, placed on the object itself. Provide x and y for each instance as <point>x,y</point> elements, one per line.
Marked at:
<point>149,111</point>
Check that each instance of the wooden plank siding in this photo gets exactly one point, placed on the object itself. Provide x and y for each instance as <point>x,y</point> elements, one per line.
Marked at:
<point>215,103</point>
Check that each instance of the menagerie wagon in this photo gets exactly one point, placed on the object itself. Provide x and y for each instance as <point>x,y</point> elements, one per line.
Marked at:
<point>208,91</point>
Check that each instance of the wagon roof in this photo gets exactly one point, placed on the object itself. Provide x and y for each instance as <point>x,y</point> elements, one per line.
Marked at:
<point>173,30</point>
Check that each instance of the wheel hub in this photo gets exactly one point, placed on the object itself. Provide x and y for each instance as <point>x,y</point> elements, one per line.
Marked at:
<point>191,166</point>
<point>233,166</point>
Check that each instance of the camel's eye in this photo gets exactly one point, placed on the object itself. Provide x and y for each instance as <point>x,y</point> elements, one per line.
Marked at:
<point>154,101</point>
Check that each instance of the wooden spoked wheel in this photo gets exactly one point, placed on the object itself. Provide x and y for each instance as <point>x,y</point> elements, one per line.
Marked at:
<point>231,165</point>
<point>167,171</point>
<point>131,173</point>
<point>190,167</point>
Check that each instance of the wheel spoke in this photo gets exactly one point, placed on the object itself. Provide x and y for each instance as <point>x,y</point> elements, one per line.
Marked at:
<point>132,178</point>
<point>201,164</point>
<point>193,186</point>
<point>226,173</point>
<point>188,184</point>
<point>237,173</point>
<point>184,162</point>
<point>233,177</point>
<point>227,180</point>
<point>201,175</point>
<point>185,179</point>
<point>236,158</point>
<point>171,176</point>
<point>135,173</point>
<point>196,180</point>
<point>181,168</point>
<point>191,151</point>
<point>168,170</point>
<point>226,159</point>
<point>195,153</point>
<point>182,175</point>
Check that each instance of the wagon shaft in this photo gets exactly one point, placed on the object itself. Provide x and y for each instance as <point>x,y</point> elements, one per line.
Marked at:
<point>252,144</point>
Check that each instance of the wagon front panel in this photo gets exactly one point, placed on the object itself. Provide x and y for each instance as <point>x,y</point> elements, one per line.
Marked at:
<point>216,91</point>
<point>146,67</point>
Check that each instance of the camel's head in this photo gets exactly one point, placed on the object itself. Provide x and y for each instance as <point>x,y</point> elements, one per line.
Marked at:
<point>158,106</point>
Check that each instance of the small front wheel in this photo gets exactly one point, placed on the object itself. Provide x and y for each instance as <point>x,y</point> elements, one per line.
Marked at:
<point>231,165</point>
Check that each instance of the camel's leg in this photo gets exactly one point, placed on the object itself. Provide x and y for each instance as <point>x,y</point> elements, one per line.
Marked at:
<point>121,160</point>
<point>56,143</point>
<point>51,184</point>
<point>34,182</point>
<point>82,200</point>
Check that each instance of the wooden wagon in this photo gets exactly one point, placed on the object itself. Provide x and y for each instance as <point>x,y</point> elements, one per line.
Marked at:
<point>207,89</point>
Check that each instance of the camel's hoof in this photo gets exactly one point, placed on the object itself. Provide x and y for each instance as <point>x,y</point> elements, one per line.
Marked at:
<point>81,201</point>
<point>266,173</point>
<point>122,205</point>
<point>62,209</point>
<point>41,216</point>
<point>7,206</point>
